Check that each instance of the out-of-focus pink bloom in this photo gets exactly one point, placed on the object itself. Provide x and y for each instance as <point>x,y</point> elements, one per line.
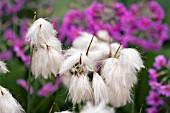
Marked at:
<point>153,74</point>
<point>165,90</point>
<point>157,11</point>
<point>143,23</point>
<point>155,84</point>
<point>6,55</point>
<point>119,9</point>
<point>49,88</point>
<point>160,61</point>
<point>152,110</point>
<point>154,99</point>
<point>24,84</point>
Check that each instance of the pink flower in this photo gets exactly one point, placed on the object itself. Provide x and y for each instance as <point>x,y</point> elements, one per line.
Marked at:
<point>154,99</point>
<point>152,110</point>
<point>6,55</point>
<point>165,90</point>
<point>153,74</point>
<point>49,88</point>
<point>24,84</point>
<point>160,61</point>
<point>154,84</point>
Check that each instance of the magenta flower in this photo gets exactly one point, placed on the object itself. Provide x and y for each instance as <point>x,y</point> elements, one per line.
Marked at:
<point>6,55</point>
<point>155,84</point>
<point>160,61</point>
<point>153,74</point>
<point>49,88</point>
<point>143,23</point>
<point>154,99</point>
<point>165,90</point>
<point>24,84</point>
<point>152,110</point>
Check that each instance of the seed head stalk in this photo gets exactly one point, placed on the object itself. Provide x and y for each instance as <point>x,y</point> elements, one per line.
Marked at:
<point>29,74</point>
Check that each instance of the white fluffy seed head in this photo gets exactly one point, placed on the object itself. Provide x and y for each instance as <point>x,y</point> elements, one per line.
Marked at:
<point>8,104</point>
<point>120,74</point>
<point>46,62</point>
<point>72,57</point>
<point>3,68</point>
<point>104,35</point>
<point>131,59</point>
<point>101,90</point>
<point>40,31</point>
<point>80,89</point>
<point>82,42</point>
<point>101,108</point>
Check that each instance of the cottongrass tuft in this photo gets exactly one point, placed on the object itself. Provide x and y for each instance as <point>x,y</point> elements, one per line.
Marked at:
<point>8,104</point>
<point>80,89</point>
<point>47,53</point>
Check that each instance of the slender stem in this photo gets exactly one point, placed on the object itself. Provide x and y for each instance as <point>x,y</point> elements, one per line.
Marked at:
<point>50,111</point>
<point>115,55</point>
<point>141,108</point>
<point>29,75</point>
<point>74,108</point>
<point>133,104</point>
<point>80,59</point>
<point>89,46</point>
<point>29,83</point>
<point>79,106</point>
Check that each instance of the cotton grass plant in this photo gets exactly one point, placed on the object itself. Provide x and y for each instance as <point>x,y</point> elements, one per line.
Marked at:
<point>95,69</point>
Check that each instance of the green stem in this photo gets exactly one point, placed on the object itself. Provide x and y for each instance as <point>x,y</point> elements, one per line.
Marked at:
<point>133,104</point>
<point>89,46</point>
<point>79,106</point>
<point>141,109</point>
<point>29,75</point>
<point>115,55</point>
<point>29,82</point>
<point>74,108</point>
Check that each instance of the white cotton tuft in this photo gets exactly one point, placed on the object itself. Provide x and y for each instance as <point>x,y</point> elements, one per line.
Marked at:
<point>8,104</point>
<point>72,57</point>
<point>47,56</point>
<point>46,62</point>
<point>82,42</point>
<point>101,108</point>
<point>101,90</point>
<point>40,31</point>
<point>3,68</point>
<point>80,89</point>
<point>134,61</point>
<point>116,78</point>
<point>120,74</point>
<point>104,35</point>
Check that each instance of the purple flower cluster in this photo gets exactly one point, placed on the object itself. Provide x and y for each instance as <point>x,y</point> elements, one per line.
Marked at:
<point>159,83</point>
<point>141,24</point>
<point>8,8</point>
<point>17,45</point>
